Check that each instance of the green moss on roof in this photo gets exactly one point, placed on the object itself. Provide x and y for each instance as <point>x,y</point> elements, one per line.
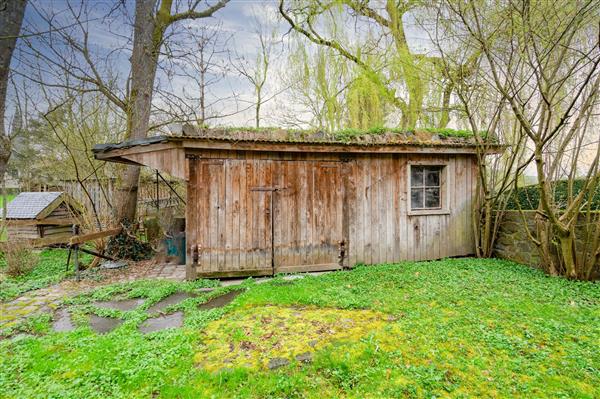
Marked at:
<point>372,136</point>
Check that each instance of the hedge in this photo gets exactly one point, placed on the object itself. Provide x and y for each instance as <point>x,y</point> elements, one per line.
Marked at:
<point>528,197</point>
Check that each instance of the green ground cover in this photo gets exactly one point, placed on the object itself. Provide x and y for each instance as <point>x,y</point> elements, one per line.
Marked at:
<point>49,270</point>
<point>451,328</point>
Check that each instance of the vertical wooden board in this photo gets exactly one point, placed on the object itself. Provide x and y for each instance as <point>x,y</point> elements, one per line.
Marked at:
<point>228,214</point>
<point>471,195</point>
<point>337,197</point>
<point>190,218</point>
<point>213,219</point>
<point>311,205</point>
<point>451,194</point>
<point>402,221</point>
<point>222,209</point>
<point>284,219</point>
<point>460,204</point>
<point>268,241</point>
<point>203,216</point>
<point>389,205</point>
<point>350,205</point>
<point>243,213</point>
<point>303,209</point>
<point>368,222</point>
<point>375,208</point>
<point>236,215</point>
<point>348,211</point>
<point>292,186</point>
<point>318,214</point>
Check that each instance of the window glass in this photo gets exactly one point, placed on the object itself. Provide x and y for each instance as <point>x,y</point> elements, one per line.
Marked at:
<point>432,197</point>
<point>416,176</point>
<point>416,198</point>
<point>425,187</point>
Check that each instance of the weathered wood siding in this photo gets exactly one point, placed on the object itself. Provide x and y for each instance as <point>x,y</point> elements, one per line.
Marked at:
<point>383,228</point>
<point>253,213</point>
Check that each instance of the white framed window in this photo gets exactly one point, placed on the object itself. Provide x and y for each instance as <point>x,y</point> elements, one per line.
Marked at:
<point>427,189</point>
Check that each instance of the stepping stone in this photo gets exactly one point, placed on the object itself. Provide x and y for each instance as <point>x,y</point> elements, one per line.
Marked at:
<point>162,322</point>
<point>168,301</point>
<point>124,305</point>
<point>220,301</point>
<point>104,324</point>
<point>63,322</point>
<point>277,362</point>
<point>293,277</point>
<point>305,357</point>
<point>113,264</point>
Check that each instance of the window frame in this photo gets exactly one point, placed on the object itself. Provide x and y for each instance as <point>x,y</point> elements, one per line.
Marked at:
<point>443,209</point>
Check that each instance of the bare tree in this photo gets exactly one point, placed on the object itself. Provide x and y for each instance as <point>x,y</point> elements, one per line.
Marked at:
<point>152,18</point>
<point>66,55</point>
<point>256,71</point>
<point>11,18</point>
<point>198,56</point>
<point>542,59</point>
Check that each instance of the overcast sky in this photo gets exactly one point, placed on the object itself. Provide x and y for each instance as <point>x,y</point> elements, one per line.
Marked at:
<point>110,39</point>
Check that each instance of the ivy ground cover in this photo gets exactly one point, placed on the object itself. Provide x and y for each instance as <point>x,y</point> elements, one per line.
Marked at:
<point>451,328</point>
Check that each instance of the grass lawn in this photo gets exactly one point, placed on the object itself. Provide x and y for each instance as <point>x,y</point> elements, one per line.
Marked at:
<point>452,328</point>
<point>50,270</point>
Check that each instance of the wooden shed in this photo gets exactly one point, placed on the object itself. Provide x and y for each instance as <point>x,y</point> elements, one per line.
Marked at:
<point>277,201</point>
<point>43,218</point>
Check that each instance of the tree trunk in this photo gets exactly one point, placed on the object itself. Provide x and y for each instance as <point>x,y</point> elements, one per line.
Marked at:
<point>11,18</point>
<point>567,249</point>
<point>147,38</point>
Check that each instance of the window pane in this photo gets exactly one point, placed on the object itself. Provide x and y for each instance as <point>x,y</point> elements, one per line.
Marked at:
<point>432,177</point>
<point>432,198</point>
<point>416,198</point>
<point>416,176</point>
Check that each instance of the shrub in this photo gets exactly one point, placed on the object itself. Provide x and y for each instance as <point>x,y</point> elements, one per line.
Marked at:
<point>528,197</point>
<point>20,260</point>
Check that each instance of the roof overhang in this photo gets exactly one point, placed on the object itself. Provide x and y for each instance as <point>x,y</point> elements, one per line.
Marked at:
<point>167,153</point>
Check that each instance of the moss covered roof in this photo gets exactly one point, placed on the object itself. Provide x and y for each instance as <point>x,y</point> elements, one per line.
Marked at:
<point>379,136</point>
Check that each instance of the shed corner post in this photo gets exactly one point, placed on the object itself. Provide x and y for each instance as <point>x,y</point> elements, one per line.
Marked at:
<point>191,252</point>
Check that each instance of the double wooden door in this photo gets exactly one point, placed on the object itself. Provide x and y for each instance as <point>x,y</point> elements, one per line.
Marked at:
<point>261,216</point>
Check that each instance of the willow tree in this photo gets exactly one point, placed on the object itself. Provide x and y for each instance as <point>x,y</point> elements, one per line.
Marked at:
<point>365,103</point>
<point>315,84</point>
<point>404,80</point>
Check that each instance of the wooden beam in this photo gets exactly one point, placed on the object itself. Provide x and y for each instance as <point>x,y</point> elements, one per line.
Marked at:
<point>48,221</point>
<point>94,236</point>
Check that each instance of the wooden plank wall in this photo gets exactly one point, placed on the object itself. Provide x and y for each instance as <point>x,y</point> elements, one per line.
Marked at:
<point>382,229</point>
<point>318,203</point>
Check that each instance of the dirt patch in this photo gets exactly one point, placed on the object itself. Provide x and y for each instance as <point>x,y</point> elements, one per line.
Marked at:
<point>104,324</point>
<point>168,301</point>
<point>172,320</point>
<point>124,305</point>
<point>220,301</point>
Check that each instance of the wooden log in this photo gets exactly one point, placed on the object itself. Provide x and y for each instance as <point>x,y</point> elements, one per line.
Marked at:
<point>94,236</point>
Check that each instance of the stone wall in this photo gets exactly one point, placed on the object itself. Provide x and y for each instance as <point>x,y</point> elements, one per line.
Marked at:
<point>514,244</point>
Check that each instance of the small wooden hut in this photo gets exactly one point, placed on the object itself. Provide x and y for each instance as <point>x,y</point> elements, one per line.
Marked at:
<point>43,218</point>
<point>276,201</point>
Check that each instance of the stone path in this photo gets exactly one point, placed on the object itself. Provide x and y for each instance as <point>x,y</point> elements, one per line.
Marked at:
<point>33,303</point>
<point>49,299</point>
